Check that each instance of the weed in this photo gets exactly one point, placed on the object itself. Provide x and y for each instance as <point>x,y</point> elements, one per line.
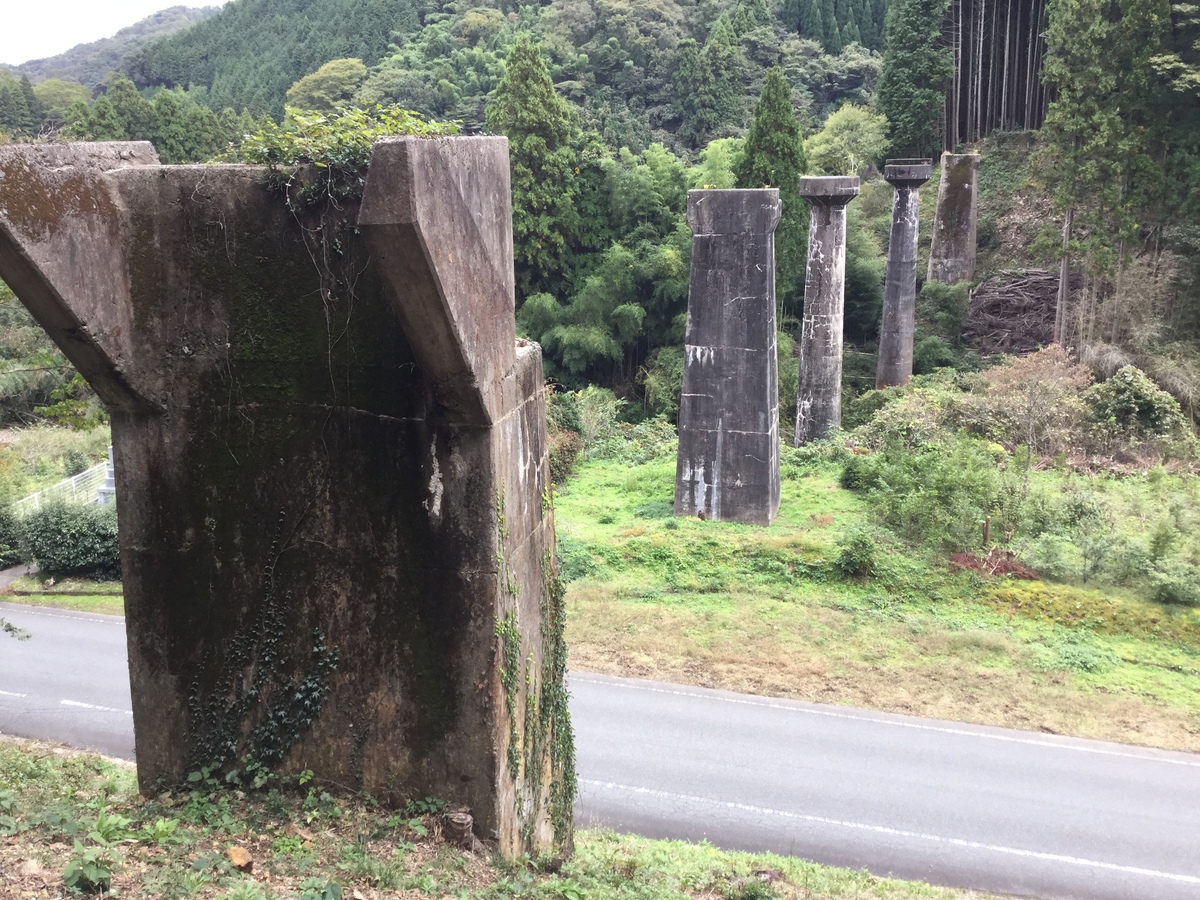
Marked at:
<point>110,828</point>
<point>90,869</point>
<point>320,889</point>
<point>160,831</point>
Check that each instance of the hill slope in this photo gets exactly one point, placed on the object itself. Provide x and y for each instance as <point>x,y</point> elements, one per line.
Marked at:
<point>252,50</point>
<point>89,63</point>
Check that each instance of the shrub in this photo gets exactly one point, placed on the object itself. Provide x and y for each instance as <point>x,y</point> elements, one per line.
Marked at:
<point>562,410</point>
<point>599,409</point>
<point>662,380</point>
<point>563,450</point>
<point>10,539</point>
<point>940,495</point>
<point>73,540</point>
<point>857,554</point>
<point>575,560</point>
<point>638,444</point>
<point>1129,405</point>
<point>1176,583</point>
<point>1034,400</point>
<point>563,424</point>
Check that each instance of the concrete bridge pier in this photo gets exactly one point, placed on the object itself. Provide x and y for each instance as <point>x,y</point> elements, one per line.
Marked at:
<point>331,471</point>
<point>952,251</point>
<point>900,289</point>
<point>819,394</point>
<point>728,463</point>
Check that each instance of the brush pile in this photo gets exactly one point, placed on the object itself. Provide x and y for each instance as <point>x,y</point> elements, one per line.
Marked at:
<point>1013,311</point>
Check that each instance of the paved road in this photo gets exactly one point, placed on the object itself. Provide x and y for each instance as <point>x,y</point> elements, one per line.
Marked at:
<point>1005,811</point>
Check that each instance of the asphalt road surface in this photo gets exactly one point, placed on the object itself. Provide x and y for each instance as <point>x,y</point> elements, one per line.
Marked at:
<point>998,810</point>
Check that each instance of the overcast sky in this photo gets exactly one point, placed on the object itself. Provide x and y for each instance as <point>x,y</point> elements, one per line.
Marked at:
<point>33,29</point>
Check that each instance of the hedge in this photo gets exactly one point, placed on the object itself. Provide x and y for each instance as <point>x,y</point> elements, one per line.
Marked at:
<point>73,540</point>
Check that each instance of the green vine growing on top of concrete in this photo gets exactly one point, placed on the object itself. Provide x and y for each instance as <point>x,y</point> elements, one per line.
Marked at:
<point>334,148</point>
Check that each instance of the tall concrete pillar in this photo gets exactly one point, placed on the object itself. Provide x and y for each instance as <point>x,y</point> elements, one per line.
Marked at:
<point>819,396</point>
<point>900,291</point>
<point>728,464</point>
<point>952,253</point>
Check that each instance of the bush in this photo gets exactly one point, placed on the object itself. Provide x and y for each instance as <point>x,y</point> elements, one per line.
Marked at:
<point>563,450</point>
<point>940,495</point>
<point>662,380</point>
<point>1176,583</point>
<point>1129,405</point>
<point>575,560</point>
<point>857,555</point>
<point>638,444</point>
<point>73,540</point>
<point>563,424</point>
<point>10,539</point>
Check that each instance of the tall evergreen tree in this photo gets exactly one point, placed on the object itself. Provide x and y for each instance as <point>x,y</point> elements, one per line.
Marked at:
<point>794,15</point>
<point>832,36</point>
<point>103,123</point>
<point>815,29</point>
<point>135,111</point>
<point>542,135</point>
<point>34,112</point>
<point>773,156</point>
<point>916,70</point>
<point>724,59</point>
<point>696,101</point>
<point>847,21</point>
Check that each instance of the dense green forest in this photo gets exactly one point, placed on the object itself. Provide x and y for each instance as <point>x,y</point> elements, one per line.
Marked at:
<point>615,109</point>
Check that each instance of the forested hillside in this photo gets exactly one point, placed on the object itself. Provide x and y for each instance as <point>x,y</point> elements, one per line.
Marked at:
<point>615,109</point>
<point>89,63</point>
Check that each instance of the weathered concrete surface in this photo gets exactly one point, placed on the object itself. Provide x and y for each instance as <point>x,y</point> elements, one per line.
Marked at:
<point>819,392</point>
<point>331,473</point>
<point>728,463</point>
<point>952,252</point>
<point>894,365</point>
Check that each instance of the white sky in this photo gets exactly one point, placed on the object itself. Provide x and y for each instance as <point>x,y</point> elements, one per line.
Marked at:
<point>34,29</point>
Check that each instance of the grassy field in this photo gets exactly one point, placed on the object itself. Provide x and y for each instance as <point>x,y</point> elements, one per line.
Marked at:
<point>768,611</point>
<point>77,594</point>
<point>60,808</point>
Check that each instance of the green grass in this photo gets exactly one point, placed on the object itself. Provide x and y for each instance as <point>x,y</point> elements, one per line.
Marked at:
<point>768,611</point>
<point>69,593</point>
<point>305,841</point>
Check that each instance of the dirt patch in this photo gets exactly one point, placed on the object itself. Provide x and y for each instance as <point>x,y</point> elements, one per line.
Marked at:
<point>997,561</point>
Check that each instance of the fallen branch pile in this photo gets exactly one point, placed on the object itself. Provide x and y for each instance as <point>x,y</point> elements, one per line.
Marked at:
<point>1013,312</point>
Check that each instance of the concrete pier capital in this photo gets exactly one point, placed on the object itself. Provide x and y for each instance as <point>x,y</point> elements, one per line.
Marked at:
<point>907,173</point>
<point>829,190</point>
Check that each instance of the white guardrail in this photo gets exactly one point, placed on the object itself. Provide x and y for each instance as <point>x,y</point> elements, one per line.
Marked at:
<point>79,488</point>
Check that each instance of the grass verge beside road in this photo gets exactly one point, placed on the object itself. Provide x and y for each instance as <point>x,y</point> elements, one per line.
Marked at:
<point>770,611</point>
<point>58,807</point>
<point>80,595</point>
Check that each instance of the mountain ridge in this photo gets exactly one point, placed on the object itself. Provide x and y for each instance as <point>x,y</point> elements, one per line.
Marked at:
<point>89,62</point>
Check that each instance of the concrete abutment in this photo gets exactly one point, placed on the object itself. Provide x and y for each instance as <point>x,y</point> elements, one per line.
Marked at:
<point>332,475</point>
